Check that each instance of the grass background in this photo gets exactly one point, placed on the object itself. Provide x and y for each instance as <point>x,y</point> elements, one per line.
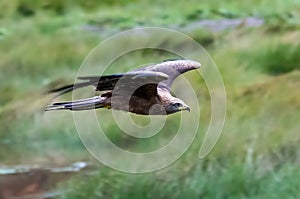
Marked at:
<point>43,44</point>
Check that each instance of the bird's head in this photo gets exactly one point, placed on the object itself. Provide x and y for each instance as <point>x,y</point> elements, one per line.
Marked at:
<point>176,105</point>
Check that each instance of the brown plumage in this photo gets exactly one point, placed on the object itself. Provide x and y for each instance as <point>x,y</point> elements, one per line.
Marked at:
<point>143,91</point>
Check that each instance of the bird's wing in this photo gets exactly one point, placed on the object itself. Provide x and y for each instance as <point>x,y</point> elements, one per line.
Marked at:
<point>141,83</point>
<point>172,68</point>
<point>146,79</point>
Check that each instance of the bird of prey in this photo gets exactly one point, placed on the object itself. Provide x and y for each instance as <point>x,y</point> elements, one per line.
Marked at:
<point>143,91</point>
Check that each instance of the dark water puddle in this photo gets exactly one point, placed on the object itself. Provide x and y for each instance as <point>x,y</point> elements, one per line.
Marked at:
<point>24,182</point>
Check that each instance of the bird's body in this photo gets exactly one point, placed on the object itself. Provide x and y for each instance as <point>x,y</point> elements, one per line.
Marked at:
<point>143,91</point>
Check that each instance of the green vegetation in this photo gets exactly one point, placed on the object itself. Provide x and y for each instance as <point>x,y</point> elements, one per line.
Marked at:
<point>278,58</point>
<point>43,43</point>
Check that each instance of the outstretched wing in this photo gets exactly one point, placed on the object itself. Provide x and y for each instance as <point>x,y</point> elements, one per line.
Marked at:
<point>172,68</point>
<point>140,83</point>
<point>144,80</point>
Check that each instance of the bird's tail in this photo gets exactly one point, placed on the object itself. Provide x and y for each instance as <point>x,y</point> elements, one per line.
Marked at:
<point>84,104</point>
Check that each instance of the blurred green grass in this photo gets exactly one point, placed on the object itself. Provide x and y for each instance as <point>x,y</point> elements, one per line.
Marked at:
<point>44,42</point>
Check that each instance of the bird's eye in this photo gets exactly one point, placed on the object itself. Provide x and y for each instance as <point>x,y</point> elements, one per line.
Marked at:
<point>177,104</point>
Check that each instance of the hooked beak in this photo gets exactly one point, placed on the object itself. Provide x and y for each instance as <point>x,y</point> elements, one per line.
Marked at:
<point>187,108</point>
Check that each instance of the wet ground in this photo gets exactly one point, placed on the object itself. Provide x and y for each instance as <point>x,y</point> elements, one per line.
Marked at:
<point>32,182</point>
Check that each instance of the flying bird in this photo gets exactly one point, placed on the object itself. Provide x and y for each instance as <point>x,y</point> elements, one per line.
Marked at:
<point>145,91</point>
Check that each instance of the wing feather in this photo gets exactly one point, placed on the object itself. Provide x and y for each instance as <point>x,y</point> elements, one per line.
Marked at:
<point>144,80</point>
<point>119,82</point>
<point>172,68</point>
